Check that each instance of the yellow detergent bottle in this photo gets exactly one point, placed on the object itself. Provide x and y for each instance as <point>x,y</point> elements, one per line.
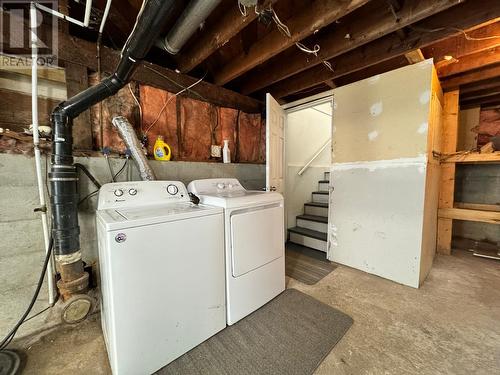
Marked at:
<point>161,149</point>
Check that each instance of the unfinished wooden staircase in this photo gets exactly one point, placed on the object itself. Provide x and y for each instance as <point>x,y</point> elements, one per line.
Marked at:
<point>312,226</point>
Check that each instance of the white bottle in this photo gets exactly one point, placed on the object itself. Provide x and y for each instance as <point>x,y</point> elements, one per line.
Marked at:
<point>226,153</point>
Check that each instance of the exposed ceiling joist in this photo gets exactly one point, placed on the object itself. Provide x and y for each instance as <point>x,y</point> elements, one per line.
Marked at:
<point>306,21</point>
<point>465,16</point>
<point>489,101</point>
<point>462,45</point>
<point>480,94</point>
<point>469,78</point>
<point>480,85</point>
<point>470,62</point>
<point>229,25</point>
<point>361,27</point>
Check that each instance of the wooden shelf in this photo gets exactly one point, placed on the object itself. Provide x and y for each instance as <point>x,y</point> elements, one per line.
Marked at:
<point>492,217</point>
<point>472,157</point>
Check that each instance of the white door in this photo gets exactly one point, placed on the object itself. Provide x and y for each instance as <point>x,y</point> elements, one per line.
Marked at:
<point>275,145</point>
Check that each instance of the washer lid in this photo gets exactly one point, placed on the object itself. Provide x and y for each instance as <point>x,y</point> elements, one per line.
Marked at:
<point>240,198</point>
<point>153,214</point>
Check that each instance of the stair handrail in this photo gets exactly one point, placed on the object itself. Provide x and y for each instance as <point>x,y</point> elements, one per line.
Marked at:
<point>320,150</point>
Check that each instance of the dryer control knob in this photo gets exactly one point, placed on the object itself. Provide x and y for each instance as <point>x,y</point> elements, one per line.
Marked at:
<point>118,192</point>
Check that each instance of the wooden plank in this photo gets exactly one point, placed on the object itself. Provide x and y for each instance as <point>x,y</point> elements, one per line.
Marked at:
<point>77,80</point>
<point>447,185</point>
<point>363,26</point>
<point>471,157</point>
<point>489,100</point>
<point>460,45</point>
<point>455,82</point>
<point>490,217</point>
<point>471,62</point>
<point>464,16</point>
<point>306,21</point>
<point>50,74</point>
<point>415,56</point>
<point>228,25</point>
<point>82,52</point>
<point>478,206</point>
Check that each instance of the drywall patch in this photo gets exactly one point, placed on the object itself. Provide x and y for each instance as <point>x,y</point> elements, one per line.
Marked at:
<point>372,135</point>
<point>373,80</point>
<point>376,109</point>
<point>425,97</point>
<point>422,129</point>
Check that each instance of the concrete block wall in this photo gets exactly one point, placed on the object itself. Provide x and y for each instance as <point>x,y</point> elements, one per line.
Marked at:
<point>21,247</point>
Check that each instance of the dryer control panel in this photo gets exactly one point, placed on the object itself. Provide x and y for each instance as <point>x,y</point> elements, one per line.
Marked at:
<point>215,185</point>
<point>141,193</point>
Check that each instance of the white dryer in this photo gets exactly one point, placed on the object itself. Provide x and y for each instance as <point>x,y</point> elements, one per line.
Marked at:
<point>162,273</point>
<point>254,243</point>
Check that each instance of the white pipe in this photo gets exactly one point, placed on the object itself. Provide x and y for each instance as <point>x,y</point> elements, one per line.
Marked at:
<point>88,8</point>
<point>36,142</point>
<point>314,157</point>
<point>105,16</point>
<point>86,21</point>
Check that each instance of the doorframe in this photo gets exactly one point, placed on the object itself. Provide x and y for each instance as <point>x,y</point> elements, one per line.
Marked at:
<point>298,105</point>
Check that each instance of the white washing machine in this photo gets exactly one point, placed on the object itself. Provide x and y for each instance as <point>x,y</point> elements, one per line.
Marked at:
<point>162,273</point>
<point>254,243</point>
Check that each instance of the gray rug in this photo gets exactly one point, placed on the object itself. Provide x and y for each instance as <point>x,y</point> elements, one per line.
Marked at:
<point>306,265</point>
<point>292,334</point>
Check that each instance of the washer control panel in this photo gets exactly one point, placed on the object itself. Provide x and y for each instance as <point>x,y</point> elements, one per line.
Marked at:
<point>215,185</point>
<point>141,193</point>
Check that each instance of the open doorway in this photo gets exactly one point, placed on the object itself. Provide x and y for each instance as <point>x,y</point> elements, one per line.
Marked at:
<point>306,164</point>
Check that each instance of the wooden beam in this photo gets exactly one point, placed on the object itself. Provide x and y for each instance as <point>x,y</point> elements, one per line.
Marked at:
<point>471,158</point>
<point>469,78</point>
<point>480,94</point>
<point>228,25</point>
<point>415,56</point>
<point>362,27</point>
<point>478,206</point>
<point>307,20</point>
<point>447,185</point>
<point>471,62</point>
<point>460,45</point>
<point>490,217</point>
<point>478,86</point>
<point>490,100</point>
<point>82,52</point>
<point>464,16</point>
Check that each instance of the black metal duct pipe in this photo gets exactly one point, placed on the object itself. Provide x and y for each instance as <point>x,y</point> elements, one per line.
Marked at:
<point>63,174</point>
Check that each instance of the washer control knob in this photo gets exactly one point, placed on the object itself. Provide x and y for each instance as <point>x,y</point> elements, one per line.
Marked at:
<point>230,186</point>
<point>132,191</point>
<point>172,189</point>
<point>221,185</point>
<point>118,192</point>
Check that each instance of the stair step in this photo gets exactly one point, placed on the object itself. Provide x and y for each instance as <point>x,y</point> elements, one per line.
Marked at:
<point>319,219</point>
<point>313,222</point>
<point>320,196</point>
<point>315,208</point>
<point>316,204</point>
<point>326,175</point>
<point>324,185</point>
<point>310,238</point>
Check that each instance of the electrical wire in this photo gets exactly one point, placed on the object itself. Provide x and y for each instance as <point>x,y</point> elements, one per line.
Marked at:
<point>466,35</point>
<point>90,195</point>
<point>169,100</point>
<point>10,336</point>
<point>121,169</point>
<point>136,102</point>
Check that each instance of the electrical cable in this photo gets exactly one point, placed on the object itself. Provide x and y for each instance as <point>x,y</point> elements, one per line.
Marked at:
<point>136,102</point>
<point>89,175</point>
<point>90,195</point>
<point>169,100</point>
<point>121,169</point>
<point>10,336</point>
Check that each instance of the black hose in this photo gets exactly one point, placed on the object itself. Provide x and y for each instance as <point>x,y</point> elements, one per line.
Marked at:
<point>89,175</point>
<point>7,339</point>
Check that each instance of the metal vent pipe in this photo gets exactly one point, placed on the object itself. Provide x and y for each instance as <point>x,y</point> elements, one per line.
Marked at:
<point>191,18</point>
<point>63,175</point>
<point>127,133</point>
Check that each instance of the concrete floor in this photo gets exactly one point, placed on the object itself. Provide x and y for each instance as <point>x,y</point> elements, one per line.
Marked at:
<point>449,326</point>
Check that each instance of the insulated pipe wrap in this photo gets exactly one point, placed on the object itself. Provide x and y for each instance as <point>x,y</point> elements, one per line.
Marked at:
<point>191,18</point>
<point>129,136</point>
